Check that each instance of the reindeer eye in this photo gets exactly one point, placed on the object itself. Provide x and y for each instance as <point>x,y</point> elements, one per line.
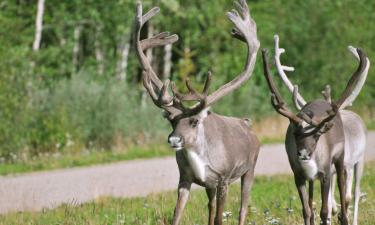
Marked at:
<point>193,122</point>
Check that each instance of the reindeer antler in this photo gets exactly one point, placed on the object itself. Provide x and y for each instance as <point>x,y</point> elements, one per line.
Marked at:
<point>300,102</point>
<point>358,78</point>
<point>245,30</point>
<point>277,102</point>
<point>349,94</point>
<point>280,106</point>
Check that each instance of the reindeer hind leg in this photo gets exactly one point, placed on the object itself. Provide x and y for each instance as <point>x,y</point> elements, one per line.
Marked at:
<point>358,172</point>
<point>246,183</point>
<point>341,181</point>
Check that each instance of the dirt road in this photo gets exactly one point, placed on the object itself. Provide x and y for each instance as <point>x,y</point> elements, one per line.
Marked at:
<point>35,191</point>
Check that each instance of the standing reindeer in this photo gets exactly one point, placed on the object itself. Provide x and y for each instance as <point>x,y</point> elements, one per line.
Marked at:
<point>315,141</point>
<point>354,129</point>
<point>211,150</point>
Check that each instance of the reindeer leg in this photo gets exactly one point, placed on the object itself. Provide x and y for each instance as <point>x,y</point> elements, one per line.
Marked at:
<point>211,194</point>
<point>358,172</point>
<point>306,210</point>
<point>348,186</point>
<point>341,180</point>
<point>221,195</point>
<point>183,195</point>
<point>331,199</point>
<point>246,183</point>
<point>311,198</point>
<point>325,190</point>
<point>333,188</point>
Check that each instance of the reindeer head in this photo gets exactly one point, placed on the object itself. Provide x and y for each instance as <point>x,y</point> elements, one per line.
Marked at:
<point>316,117</point>
<point>185,120</point>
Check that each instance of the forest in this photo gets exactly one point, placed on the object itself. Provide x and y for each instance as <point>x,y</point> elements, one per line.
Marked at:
<point>72,82</point>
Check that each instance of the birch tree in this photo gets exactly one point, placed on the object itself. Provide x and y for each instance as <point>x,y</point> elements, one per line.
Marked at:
<point>38,25</point>
<point>99,55</point>
<point>122,64</point>
<point>167,61</point>
<point>76,46</point>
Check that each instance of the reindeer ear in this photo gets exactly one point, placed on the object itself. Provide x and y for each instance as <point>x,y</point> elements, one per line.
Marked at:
<point>326,127</point>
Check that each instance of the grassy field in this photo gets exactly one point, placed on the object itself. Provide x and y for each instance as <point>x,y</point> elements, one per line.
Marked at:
<point>274,200</point>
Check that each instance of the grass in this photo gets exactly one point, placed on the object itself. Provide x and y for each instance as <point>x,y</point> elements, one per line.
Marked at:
<point>274,200</point>
<point>56,161</point>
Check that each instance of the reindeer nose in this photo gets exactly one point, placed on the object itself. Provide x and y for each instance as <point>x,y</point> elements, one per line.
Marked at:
<point>304,154</point>
<point>174,139</point>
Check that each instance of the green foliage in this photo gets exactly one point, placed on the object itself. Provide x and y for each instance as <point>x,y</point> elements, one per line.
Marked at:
<point>48,99</point>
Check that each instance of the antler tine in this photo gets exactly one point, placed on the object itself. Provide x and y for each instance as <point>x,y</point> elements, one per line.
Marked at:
<point>362,69</point>
<point>360,81</point>
<point>295,97</point>
<point>148,85</point>
<point>245,30</point>
<point>163,98</point>
<point>281,70</point>
<point>193,95</point>
<point>276,100</point>
<point>207,83</point>
<point>327,93</point>
<point>160,39</point>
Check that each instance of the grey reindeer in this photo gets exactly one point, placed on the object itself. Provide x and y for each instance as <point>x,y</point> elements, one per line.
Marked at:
<point>211,150</point>
<point>354,130</point>
<point>315,141</point>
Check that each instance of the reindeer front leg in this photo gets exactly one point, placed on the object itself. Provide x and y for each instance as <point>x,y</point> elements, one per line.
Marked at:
<point>183,195</point>
<point>221,196</point>
<point>301,187</point>
<point>211,194</point>
<point>325,192</point>
<point>311,199</point>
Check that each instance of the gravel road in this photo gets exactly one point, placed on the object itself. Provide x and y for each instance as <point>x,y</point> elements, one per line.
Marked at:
<point>35,191</point>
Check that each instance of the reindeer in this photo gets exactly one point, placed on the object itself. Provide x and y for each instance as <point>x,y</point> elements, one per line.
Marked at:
<point>211,150</point>
<point>315,141</point>
<point>354,130</point>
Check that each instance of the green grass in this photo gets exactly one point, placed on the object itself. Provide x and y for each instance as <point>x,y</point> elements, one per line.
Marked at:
<point>273,199</point>
<point>57,161</point>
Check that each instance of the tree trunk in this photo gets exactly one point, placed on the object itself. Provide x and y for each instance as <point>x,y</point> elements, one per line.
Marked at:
<point>76,47</point>
<point>122,64</point>
<point>167,61</point>
<point>99,56</point>
<point>38,25</point>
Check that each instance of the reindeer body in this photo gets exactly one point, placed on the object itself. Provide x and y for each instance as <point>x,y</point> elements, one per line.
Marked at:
<point>352,129</point>
<point>212,150</point>
<point>346,139</point>
<point>319,137</point>
<point>225,149</point>
<point>355,135</point>
<point>329,151</point>
<point>331,142</point>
